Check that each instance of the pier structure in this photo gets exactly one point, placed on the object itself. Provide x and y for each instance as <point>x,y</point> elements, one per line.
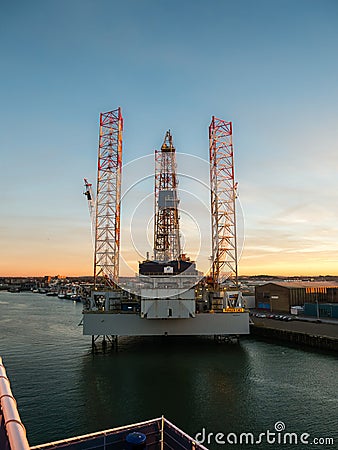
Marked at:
<point>170,296</point>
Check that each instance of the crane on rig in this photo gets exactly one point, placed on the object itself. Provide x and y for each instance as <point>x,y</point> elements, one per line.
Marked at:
<point>91,206</point>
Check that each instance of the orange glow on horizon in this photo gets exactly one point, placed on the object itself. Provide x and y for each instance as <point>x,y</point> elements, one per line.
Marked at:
<point>85,270</point>
<point>71,255</point>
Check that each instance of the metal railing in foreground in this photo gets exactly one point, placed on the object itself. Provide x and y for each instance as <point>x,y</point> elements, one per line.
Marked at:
<point>12,431</point>
<point>160,435</point>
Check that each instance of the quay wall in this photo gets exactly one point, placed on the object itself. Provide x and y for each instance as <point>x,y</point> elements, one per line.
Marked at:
<point>310,339</point>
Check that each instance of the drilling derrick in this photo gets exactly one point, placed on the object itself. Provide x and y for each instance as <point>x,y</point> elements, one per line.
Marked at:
<point>167,245</point>
<point>108,197</point>
<point>223,197</point>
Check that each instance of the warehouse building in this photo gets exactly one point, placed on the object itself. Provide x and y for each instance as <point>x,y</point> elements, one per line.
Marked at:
<point>322,310</point>
<point>280,296</point>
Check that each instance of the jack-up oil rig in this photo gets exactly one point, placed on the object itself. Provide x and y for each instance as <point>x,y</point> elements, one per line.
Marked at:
<point>172,297</point>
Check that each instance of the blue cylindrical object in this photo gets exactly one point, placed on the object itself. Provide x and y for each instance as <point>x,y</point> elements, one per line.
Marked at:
<point>136,441</point>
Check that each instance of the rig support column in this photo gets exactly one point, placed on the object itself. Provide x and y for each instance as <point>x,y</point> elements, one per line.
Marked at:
<point>223,198</point>
<point>108,198</point>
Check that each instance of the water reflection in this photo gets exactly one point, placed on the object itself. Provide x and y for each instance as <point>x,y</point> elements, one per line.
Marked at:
<point>193,382</point>
<point>63,390</point>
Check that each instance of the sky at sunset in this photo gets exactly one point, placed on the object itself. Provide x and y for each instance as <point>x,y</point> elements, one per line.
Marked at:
<point>269,66</point>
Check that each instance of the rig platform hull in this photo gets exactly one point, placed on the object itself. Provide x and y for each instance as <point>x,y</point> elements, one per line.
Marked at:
<point>207,324</point>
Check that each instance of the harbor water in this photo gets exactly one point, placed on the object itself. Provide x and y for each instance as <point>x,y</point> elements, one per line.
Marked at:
<point>202,386</point>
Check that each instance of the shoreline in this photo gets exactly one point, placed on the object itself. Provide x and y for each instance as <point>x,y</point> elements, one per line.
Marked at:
<point>311,335</point>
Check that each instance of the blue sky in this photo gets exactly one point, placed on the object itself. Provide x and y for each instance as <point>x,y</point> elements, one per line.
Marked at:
<point>269,66</point>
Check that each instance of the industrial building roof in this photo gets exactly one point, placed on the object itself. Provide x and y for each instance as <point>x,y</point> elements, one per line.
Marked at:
<point>304,284</point>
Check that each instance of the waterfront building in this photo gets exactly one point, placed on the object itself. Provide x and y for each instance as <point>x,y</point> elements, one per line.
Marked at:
<point>281,296</point>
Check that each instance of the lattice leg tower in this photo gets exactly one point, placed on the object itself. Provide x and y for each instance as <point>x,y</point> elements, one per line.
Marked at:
<point>223,198</point>
<point>108,198</point>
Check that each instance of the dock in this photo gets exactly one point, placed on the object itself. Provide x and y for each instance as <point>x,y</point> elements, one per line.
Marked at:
<point>316,335</point>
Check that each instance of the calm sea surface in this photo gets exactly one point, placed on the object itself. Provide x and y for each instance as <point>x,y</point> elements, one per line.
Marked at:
<point>63,390</point>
